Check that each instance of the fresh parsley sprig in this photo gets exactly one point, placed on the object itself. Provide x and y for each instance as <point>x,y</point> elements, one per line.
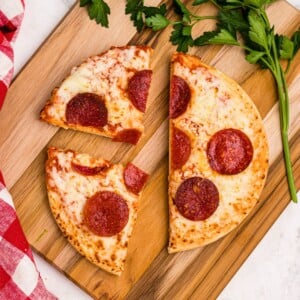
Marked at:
<point>141,14</point>
<point>182,29</point>
<point>98,10</point>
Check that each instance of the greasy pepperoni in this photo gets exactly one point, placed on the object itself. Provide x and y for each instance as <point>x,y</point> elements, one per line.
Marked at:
<point>180,96</point>
<point>138,88</point>
<point>197,198</point>
<point>88,171</point>
<point>229,151</point>
<point>86,109</point>
<point>134,178</point>
<point>131,136</point>
<point>180,148</point>
<point>105,213</point>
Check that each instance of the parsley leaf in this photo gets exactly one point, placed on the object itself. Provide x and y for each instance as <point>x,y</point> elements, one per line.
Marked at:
<point>152,11</point>
<point>181,9</point>
<point>233,21</point>
<point>254,56</point>
<point>157,22</point>
<point>204,38</point>
<point>255,3</point>
<point>223,37</point>
<point>181,38</point>
<point>135,9</point>
<point>296,40</point>
<point>198,2</point>
<point>257,29</point>
<point>132,5</point>
<point>139,13</point>
<point>230,4</point>
<point>286,48</point>
<point>98,10</point>
<point>187,31</point>
<point>84,2</point>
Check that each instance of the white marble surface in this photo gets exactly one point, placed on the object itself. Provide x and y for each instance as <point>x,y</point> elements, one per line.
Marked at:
<point>272,271</point>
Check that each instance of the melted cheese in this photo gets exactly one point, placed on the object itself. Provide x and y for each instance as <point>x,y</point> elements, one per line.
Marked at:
<point>106,75</point>
<point>216,103</point>
<point>68,193</point>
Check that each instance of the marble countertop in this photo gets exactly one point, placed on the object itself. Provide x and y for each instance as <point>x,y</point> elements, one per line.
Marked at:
<point>272,271</point>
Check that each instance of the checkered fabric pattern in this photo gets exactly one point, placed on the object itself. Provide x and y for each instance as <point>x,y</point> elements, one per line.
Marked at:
<point>19,278</point>
<point>11,15</point>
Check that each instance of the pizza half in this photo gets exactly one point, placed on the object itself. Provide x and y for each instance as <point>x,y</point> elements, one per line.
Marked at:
<point>95,204</point>
<point>106,95</point>
<point>218,154</point>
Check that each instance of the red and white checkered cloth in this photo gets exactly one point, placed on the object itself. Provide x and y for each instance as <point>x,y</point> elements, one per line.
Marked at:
<point>19,277</point>
<point>11,15</point>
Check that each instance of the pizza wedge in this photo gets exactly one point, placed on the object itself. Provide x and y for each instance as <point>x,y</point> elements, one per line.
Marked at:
<point>106,95</point>
<point>218,154</point>
<point>95,204</point>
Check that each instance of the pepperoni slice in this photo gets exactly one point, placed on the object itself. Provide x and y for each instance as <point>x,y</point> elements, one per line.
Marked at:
<point>180,96</point>
<point>105,213</point>
<point>197,198</point>
<point>88,171</point>
<point>86,109</point>
<point>131,136</point>
<point>180,148</point>
<point>138,89</point>
<point>229,151</point>
<point>134,178</point>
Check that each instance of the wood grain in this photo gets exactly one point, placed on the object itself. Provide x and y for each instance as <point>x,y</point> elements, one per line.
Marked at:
<point>150,273</point>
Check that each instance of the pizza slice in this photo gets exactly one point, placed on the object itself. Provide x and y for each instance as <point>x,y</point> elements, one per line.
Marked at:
<point>218,154</point>
<point>105,95</point>
<point>95,204</point>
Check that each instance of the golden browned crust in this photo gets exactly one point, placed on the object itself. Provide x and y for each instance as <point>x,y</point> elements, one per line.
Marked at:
<point>186,234</point>
<point>75,239</point>
<point>138,48</point>
<point>110,130</point>
<point>107,253</point>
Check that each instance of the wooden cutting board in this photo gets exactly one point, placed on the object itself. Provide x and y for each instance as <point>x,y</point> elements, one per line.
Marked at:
<point>151,273</point>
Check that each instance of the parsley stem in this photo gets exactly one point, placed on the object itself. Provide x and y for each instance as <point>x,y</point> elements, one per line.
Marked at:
<point>287,100</point>
<point>274,66</point>
<point>284,121</point>
<point>215,4</point>
<point>196,19</point>
<point>288,66</point>
<point>199,18</point>
<point>265,17</point>
<point>266,62</point>
<point>175,23</point>
<point>285,140</point>
<point>281,88</point>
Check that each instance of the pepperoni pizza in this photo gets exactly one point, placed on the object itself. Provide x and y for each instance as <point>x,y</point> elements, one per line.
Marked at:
<point>95,204</point>
<point>218,154</point>
<point>105,95</point>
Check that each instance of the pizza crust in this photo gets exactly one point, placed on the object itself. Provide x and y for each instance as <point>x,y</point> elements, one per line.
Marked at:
<point>68,192</point>
<point>217,102</point>
<point>106,75</point>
